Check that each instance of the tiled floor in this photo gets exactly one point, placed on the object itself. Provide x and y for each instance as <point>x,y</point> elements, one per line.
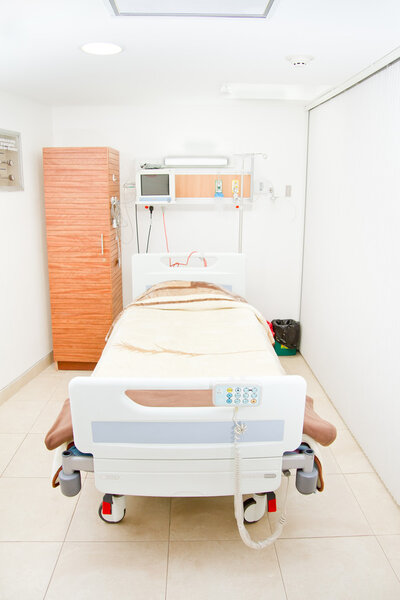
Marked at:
<point>343,544</point>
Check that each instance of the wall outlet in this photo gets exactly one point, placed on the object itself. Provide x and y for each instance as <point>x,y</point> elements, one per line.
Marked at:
<point>262,186</point>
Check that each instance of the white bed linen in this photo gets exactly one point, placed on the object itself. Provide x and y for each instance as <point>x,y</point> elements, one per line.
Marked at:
<point>189,337</point>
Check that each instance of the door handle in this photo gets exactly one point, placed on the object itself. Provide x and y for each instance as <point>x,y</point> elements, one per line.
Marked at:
<point>102,243</point>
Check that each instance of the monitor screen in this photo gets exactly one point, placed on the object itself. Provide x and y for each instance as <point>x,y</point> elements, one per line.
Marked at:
<point>155,185</point>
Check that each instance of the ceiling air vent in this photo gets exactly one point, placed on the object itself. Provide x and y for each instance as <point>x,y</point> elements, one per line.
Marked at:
<point>192,8</point>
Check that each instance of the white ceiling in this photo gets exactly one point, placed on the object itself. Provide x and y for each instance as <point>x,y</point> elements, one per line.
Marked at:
<point>171,58</point>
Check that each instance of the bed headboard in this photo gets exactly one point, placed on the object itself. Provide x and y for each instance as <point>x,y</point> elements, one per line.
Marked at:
<point>224,269</point>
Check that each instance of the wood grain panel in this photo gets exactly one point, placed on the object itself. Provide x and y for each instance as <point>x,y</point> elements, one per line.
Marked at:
<point>203,185</point>
<point>84,294</point>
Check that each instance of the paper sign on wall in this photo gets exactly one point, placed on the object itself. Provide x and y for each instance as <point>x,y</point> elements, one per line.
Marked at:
<point>10,161</point>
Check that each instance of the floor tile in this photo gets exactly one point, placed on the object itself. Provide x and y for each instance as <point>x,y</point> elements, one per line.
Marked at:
<point>61,391</point>
<point>353,568</point>
<point>104,571</point>
<point>38,389</point>
<point>18,416</point>
<point>333,512</point>
<point>32,459</point>
<point>391,547</point>
<point>26,568</point>
<point>145,519</point>
<point>31,510</point>
<point>349,455</point>
<point>68,375</point>
<point>9,443</point>
<point>296,365</point>
<point>51,370</point>
<point>209,519</point>
<point>328,461</point>
<point>381,511</point>
<point>224,569</point>
<point>48,415</point>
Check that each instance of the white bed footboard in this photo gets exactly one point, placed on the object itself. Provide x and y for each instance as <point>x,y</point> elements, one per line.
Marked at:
<point>185,450</point>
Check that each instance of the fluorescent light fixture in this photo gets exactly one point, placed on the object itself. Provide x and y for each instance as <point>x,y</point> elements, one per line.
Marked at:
<point>270,91</point>
<point>191,8</point>
<point>196,161</point>
<point>101,48</point>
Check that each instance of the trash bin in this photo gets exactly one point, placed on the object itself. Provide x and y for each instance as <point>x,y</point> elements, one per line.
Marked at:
<point>287,336</point>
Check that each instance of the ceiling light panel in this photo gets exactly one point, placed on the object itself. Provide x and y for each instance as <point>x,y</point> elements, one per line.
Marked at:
<point>192,8</point>
<point>101,48</point>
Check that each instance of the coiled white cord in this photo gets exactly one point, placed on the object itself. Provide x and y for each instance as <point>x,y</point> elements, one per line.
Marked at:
<point>239,429</point>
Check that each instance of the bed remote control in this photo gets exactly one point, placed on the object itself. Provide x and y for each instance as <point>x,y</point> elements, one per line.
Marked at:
<point>236,394</point>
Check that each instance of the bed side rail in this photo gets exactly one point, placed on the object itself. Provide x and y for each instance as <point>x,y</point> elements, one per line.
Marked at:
<point>109,424</point>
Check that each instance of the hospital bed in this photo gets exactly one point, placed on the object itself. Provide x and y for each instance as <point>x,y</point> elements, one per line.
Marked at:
<point>188,398</point>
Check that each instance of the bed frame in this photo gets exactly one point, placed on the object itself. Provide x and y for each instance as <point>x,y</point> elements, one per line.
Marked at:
<point>136,447</point>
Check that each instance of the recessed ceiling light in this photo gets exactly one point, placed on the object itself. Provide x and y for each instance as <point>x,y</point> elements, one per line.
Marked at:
<point>101,48</point>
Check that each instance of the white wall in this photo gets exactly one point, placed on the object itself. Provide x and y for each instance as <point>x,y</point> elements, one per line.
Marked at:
<point>24,301</point>
<point>351,287</point>
<point>273,231</point>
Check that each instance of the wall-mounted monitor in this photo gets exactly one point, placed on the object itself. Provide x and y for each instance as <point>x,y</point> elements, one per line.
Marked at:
<point>155,186</point>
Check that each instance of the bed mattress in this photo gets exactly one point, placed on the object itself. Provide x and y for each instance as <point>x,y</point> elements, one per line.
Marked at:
<point>189,329</point>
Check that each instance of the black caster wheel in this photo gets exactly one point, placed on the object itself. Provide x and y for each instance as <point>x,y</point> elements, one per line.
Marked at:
<point>114,511</point>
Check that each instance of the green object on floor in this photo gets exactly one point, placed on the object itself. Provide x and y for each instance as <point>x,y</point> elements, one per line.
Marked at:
<point>284,350</point>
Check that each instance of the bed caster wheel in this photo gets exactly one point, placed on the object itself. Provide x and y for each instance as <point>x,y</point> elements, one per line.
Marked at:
<point>254,508</point>
<point>112,509</point>
<point>70,484</point>
<point>306,483</point>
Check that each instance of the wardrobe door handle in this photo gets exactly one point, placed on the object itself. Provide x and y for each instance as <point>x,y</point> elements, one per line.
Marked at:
<point>102,244</point>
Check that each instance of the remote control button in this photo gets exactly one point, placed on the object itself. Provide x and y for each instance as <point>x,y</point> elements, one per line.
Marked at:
<point>245,400</point>
<point>237,389</point>
<point>229,400</point>
<point>237,400</point>
<point>229,389</point>
<point>253,401</point>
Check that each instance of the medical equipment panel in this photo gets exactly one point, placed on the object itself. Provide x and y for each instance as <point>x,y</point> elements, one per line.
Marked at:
<point>206,185</point>
<point>155,186</point>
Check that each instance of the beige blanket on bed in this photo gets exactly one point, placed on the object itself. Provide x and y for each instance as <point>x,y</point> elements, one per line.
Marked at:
<point>200,335</point>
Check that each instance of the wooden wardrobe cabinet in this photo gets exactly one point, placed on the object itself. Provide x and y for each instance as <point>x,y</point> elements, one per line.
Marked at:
<point>84,253</point>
